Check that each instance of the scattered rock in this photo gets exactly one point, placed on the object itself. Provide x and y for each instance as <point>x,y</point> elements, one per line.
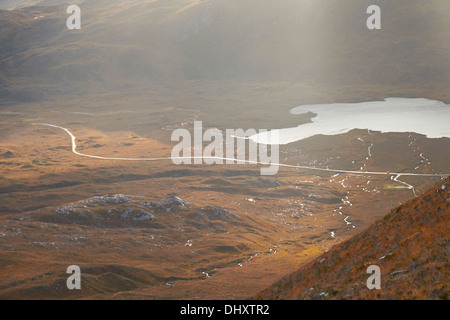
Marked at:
<point>397,272</point>
<point>137,215</point>
<point>167,205</point>
<point>37,244</point>
<point>107,200</point>
<point>217,213</point>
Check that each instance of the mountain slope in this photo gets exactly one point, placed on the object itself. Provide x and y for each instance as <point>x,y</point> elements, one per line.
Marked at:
<point>140,44</point>
<point>410,245</point>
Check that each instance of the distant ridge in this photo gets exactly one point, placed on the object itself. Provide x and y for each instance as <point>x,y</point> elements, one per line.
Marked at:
<point>137,45</point>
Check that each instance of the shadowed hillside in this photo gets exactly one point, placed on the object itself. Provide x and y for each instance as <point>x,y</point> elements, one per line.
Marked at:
<point>410,245</point>
<point>137,45</point>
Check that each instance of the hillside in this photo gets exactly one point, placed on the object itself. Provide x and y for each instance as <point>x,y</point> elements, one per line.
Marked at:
<point>139,45</point>
<point>410,245</point>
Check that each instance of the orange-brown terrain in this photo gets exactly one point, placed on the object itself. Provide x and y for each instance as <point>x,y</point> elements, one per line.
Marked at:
<point>410,245</point>
<point>144,229</point>
<point>159,231</point>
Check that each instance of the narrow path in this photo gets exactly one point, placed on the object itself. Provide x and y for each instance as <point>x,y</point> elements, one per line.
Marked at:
<point>411,187</point>
<point>396,174</point>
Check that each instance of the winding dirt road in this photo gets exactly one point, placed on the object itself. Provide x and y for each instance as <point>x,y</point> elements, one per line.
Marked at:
<point>394,175</point>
